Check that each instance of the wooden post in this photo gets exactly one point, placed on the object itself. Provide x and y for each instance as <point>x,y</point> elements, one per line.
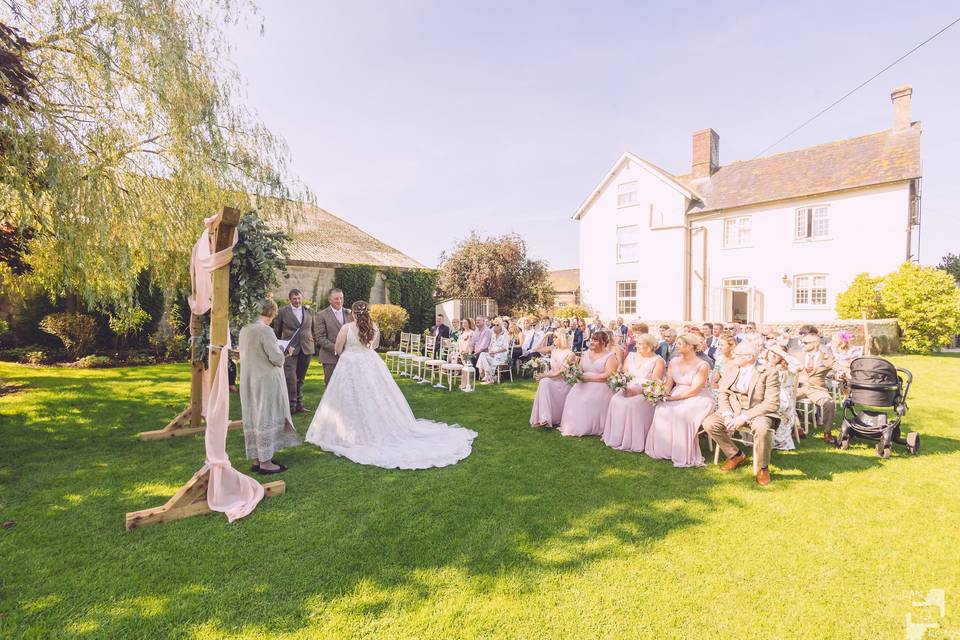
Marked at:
<point>191,499</point>
<point>190,421</point>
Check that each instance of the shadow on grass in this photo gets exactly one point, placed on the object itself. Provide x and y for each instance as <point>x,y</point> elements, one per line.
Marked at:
<point>347,541</point>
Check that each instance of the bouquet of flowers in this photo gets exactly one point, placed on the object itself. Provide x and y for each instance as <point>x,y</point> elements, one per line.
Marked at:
<point>653,390</point>
<point>572,373</point>
<point>536,365</point>
<point>619,380</point>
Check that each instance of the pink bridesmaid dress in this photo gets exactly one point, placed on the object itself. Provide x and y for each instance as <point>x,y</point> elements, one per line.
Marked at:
<point>551,393</point>
<point>586,405</point>
<point>672,434</point>
<point>629,419</point>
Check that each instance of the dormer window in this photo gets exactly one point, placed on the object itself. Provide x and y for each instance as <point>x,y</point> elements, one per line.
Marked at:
<point>627,193</point>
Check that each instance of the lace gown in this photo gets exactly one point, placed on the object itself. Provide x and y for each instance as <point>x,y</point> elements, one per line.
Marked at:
<point>363,416</point>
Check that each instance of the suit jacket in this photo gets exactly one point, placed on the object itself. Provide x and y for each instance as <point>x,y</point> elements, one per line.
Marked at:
<point>285,325</point>
<point>326,328</point>
<point>761,399</point>
<point>817,379</point>
<point>438,333</point>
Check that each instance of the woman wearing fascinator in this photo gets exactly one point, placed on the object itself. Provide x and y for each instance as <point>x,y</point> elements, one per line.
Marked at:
<point>363,415</point>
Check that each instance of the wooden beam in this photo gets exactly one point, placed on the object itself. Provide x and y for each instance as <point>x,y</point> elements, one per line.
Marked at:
<point>190,500</point>
<point>180,430</point>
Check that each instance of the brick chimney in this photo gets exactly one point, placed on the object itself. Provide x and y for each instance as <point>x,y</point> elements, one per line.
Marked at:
<point>901,107</point>
<point>706,153</point>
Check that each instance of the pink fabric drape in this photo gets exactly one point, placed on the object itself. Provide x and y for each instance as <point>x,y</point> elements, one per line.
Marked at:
<point>228,490</point>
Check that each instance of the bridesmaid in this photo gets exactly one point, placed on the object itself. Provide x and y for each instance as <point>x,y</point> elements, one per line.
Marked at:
<point>586,405</point>
<point>673,434</point>
<point>630,415</point>
<point>552,390</point>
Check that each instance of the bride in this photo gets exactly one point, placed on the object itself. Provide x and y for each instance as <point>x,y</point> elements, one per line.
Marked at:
<point>364,417</point>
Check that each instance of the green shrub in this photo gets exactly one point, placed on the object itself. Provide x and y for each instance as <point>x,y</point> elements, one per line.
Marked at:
<point>926,303</point>
<point>356,281</point>
<point>35,357</point>
<point>75,330</point>
<point>573,311</point>
<point>862,296</point>
<point>128,322</point>
<point>4,327</point>
<point>92,362</point>
<point>16,354</point>
<point>391,319</point>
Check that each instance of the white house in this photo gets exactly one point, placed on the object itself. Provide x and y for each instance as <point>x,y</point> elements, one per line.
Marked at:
<point>772,239</point>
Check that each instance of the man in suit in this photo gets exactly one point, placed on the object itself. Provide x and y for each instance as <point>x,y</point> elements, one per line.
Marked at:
<point>439,331</point>
<point>528,341</point>
<point>668,343</point>
<point>816,364</point>
<point>294,323</point>
<point>748,398</point>
<point>327,326</point>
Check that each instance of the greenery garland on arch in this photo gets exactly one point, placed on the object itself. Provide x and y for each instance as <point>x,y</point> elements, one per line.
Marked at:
<point>356,281</point>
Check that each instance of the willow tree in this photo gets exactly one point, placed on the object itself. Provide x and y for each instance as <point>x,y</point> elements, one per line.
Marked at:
<point>122,126</point>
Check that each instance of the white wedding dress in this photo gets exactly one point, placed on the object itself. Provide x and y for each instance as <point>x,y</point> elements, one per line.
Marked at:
<point>363,416</point>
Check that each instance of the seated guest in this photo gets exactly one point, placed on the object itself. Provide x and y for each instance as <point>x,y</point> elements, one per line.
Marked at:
<point>579,329</point>
<point>816,365</point>
<point>724,359</point>
<point>516,339</point>
<point>552,389</point>
<point>633,334</point>
<point>713,338</point>
<point>498,353</point>
<point>673,432</point>
<point>586,405</point>
<point>749,398</point>
<point>843,355</point>
<point>455,329</point>
<point>439,331</point>
<point>667,348</point>
<point>700,351</point>
<point>787,368</point>
<point>530,340</point>
<point>629,415</point>
<point>808,330</point>
<point>463,351</point>
<point>481,339</point>
<point>264,403</point>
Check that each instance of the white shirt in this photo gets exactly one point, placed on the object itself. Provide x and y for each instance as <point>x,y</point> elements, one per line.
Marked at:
<point>338,313</point>
<point>743,379</point>
<point>811,359</point>
<point>298,313</point>
<point>530,339</point>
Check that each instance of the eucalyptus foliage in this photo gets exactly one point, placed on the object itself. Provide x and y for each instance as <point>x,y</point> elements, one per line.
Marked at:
<point>121,128</point>
<point>258,266</point>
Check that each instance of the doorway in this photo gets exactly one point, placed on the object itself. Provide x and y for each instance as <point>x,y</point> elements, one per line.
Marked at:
<point>741,302</point>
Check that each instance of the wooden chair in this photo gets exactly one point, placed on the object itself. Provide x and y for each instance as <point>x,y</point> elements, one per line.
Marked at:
<point>406,358</point>
<point>419,360</point>
<point>393,357</point>
<point>744,436</point>
<point>808,411</point>
<point>433,365</point>
<point>504,368</point>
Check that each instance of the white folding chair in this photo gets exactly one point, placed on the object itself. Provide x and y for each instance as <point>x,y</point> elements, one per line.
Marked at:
<point>419,360</point>
<point>433,365</point>
<point>406,358</point>
<point>393,356</point>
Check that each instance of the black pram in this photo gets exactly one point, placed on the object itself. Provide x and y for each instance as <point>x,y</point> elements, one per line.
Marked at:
<point>875,387</point>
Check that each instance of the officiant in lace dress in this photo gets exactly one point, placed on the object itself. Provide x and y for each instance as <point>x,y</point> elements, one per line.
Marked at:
<point>267,424</point>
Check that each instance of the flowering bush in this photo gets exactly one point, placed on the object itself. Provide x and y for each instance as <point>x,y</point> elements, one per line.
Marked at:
<point>391,319</point>
<point>536,365</point>
<point>75,330</point>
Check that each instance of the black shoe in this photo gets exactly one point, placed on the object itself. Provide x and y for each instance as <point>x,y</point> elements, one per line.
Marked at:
<point>269,472</point>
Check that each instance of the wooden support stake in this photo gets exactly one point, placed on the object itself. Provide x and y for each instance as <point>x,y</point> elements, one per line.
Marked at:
<point>190,500</point>
<point>190,421</point>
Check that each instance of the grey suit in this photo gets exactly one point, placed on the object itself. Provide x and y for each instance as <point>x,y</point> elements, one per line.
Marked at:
<point>287,327</point>
<point>326,328</point>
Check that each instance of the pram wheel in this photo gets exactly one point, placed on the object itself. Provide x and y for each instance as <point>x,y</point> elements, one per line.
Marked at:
<point>913,442</point>
<point>844,444</point>
<point>882,451</point>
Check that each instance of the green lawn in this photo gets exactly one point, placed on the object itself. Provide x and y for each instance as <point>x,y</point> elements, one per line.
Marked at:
<point>532,536</point>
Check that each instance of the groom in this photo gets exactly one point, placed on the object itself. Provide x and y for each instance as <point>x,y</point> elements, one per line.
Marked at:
<point>327,326</point>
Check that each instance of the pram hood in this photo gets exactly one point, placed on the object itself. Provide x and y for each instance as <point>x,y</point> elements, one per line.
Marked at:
<point>874,382</point>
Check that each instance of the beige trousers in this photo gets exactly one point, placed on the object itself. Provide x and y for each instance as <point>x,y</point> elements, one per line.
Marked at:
<point>762,428</point>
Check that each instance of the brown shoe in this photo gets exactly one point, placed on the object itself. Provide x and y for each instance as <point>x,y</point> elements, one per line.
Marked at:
<point>763,477</point>
<point>828,438</point>
<point>733,462</point>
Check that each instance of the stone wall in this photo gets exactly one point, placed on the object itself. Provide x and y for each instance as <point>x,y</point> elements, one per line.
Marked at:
<point>884,334</point>
<point>315,282</point>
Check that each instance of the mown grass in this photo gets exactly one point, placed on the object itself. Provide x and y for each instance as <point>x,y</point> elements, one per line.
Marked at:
<point>532,536</point>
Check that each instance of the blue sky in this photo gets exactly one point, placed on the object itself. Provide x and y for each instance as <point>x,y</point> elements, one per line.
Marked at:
<point>419,121</point>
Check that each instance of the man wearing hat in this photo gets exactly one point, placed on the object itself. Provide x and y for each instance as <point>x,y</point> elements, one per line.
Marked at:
<point>815,365</point>
<point>748,398</point>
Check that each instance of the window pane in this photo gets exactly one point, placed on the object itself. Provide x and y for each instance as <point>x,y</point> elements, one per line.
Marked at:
<point>800,224</point>
<point>729,226</point>
<point>745,231</point>
<point>821,223</point>
<point>626,193</point>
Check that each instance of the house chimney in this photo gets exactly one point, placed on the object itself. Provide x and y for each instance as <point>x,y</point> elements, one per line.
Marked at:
<point>706,153</point>
<point>901,107</point>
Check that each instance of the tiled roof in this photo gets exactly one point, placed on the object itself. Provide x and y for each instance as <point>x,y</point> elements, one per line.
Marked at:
<point>565,280</point>
<point>321,237</point>
<point>878,158</point>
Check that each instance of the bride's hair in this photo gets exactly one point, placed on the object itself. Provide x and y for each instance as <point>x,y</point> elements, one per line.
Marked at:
<point>361,315</point>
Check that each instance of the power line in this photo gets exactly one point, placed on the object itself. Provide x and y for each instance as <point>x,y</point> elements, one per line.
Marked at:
<point>855,89</point>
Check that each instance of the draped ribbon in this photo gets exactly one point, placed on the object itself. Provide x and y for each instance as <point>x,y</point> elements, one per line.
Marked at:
<point>228,490</point>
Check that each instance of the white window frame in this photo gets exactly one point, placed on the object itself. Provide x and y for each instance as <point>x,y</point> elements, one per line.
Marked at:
<point>627,197</point>
<point>811,224</point>
<point>806,284</point>
<point>623,300</point>
<point>738,223</point>
<point>636,244</point>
